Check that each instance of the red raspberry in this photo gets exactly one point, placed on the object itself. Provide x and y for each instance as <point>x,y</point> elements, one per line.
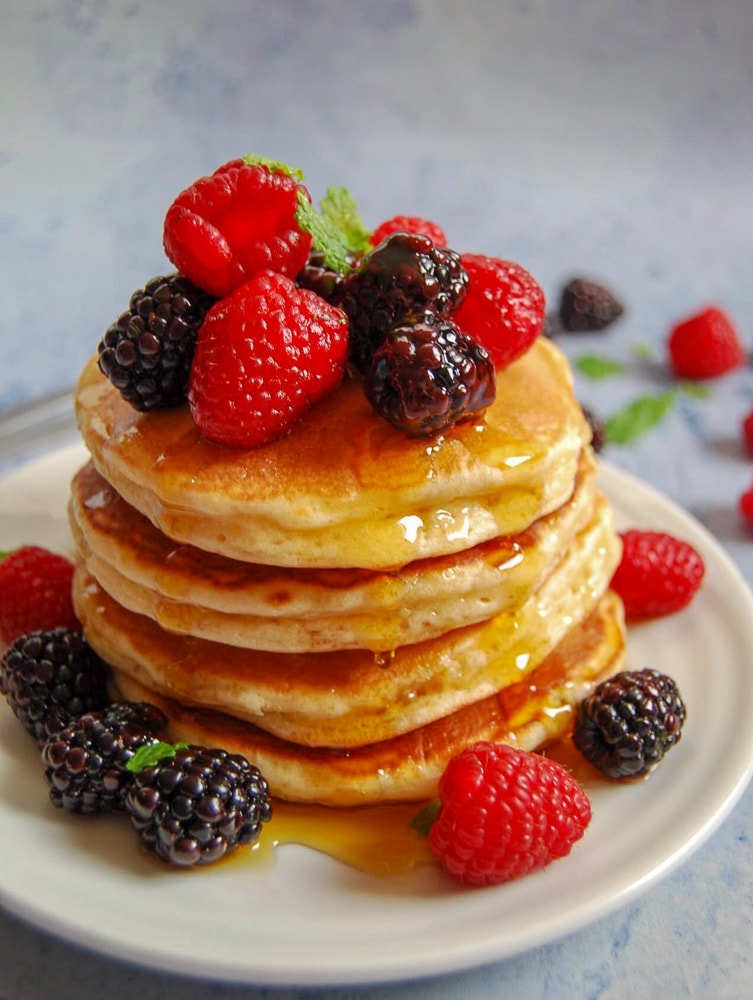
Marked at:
<point>504,309</point>
<point>35,592</point>
<point>240,220</point>
<point>658,574</point>
<point>747,429</point>
<point>745,505</point>
<point>409,224</point>
<point>264,356</point>
<point>504,813</point>
<point>705,345</point>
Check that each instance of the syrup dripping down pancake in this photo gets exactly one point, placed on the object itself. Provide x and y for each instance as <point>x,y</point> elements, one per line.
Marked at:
<point>287,609</point>
<point>343,488</point>
<point>529,714</point>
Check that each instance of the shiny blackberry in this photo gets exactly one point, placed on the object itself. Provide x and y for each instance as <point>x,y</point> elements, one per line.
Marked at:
<point>85,764</point>
<point>51,676</point>
<point>195,807</point>
<point>588,306</point>
<point>598,430</point>
<point>147,352</point>
<point>629,722</point>
<point>429,376</point>
<point>400,281</point>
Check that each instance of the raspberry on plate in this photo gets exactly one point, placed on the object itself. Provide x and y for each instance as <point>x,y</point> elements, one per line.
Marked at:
<point>35,592</point>
<point>225,228</point>
<point>658,574</point>
<point>747,432</point>
<point>504,308</point>
<point>264,356</point>
<point>504,813</point>
<point>409,224</point>
<point>745,505</point>
<point>706,345</point>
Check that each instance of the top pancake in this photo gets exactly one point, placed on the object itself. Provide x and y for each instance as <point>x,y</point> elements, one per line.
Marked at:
<point>343,488</point>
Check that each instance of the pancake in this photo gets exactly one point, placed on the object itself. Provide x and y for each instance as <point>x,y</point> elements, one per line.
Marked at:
<point>528,714</point>
<point>343,488</point>
<point>346,698</point>
<point>285,609</point>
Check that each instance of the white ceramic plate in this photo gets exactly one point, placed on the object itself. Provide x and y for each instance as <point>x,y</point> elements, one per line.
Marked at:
<point>307,920</point>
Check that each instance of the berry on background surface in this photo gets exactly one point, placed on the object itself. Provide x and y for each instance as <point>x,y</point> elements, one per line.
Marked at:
<point>264,356</point>
<point>504,308</point>
<point>658,574</point>
<point>35,592</point>
<point>629,722</point>
<point>240,220</point>
<point>587,306</point>
<point>745,505</point>
<point>504,813</point>
<point>706,345</point>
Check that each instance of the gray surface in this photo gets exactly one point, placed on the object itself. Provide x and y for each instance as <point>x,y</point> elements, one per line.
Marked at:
<point>609,138</point>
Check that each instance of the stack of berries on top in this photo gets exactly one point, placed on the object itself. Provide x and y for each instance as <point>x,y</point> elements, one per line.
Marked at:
<point>274,303</point>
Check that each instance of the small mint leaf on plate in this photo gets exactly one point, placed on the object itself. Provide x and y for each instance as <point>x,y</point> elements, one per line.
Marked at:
<point>424,819</point>
<point>152,753</point>
<point>638,417</point>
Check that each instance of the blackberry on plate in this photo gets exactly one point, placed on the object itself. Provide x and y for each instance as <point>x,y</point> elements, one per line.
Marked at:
<point>428,376</point>
<point>398,282</point>
<point>198,805</point>
<point>147,352</point>
<point>586,306</point>
<point>85,764</point>
<point>51,676</point>
<point>629,722</point>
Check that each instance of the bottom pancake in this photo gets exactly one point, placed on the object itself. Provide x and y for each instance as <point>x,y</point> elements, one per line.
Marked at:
<point>528,714</point>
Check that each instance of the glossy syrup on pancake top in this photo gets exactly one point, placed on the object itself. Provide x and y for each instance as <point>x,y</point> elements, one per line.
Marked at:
<point>343,488</point>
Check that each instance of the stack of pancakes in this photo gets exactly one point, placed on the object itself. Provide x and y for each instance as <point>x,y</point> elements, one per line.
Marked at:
<point>347,606</point>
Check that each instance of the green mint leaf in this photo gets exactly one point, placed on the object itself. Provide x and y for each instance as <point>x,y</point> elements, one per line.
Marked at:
<point>596,367</point>
<point>274,165</point>
<point>640,416</point>
<point>328,239</point>
<point>152,753</point>
<point>424,818</point>
<point>339,209</point>
<point>696,390</point>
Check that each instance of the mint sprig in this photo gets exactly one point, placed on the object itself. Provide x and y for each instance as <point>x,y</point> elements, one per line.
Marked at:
<point>595,366</point>
<point>275,166</point>
<point>638,417</point>
<point>424,819</point>
<point>153,753</point>
<point>339,209</point>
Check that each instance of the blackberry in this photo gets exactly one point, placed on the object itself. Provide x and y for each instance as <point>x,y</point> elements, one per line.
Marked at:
<point>147,352</point>
<point>598,431</point>
<point>400,281</point>
<point>586,305</point>
<point>85,764</point>
<point>323,280</point>
<point>426,377</point>
<point>629,722</point>
<point>198,805</point>
<point>51,676</point>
